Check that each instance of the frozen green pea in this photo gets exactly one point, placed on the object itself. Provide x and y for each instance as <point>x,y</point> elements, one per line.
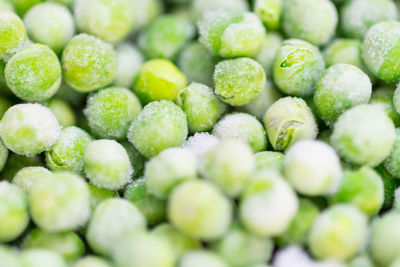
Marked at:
<point>230,165</point>
<point>12,34</point>
<point>27,176</point>
<point>178,241</point>
<point>168,169</point>
<point>384,246</point>
<point>129,62</point>
<point>210,210</point>
<point>111,220</point>
<point>258,210</point>
<point>109,20</point>
<point>137,160</point>
<point>110,112</point>
<point>41,258</point>
<point>63,111</point>
<point>363,188</point>
<point>201,105</point>
<point>240,248</point>
<point>146,10</point>
<point>381,50</point>
<point>341,87</point>
<point>60,202</point>
<point>29,129</point>
<point>16,162</point>
<point>297,67</point>
<point>200,143</point>
<point>107,164</point>
<point>197,63</point>
<point>268,95</point>
<point>199,258</point>
<point>165,36</point>
<point>270,12</point>
<point>91,261</point>
<point>159,79</point>
<point>98,195</point>
<point>67,244</point>
<point>88,63</point>
<point>300,226</point>
<point>14,212</point>
<point>339,232</point>
<point>357,16</point>
<point>392,162</point>
<point>144,250</point>
<point>269,159</point>
<point>314,21</point>
<point>231,33</point>
<point>364,135</point>
<point>34,73</point>
<point>238,81</point>
<point>384,95</point>
<point>9,257</point>
<point>243,127</point>
<point>68,152</point>
<point>288,120</point>
<point>50,24</point>
<point>160,125</point>
<point>313,168</point>
<point>152,208</point>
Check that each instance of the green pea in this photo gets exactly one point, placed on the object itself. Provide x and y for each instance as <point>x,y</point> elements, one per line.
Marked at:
<point>98,69</point>
<point>200,143</point>
<point>363,188</point>
<point>41,258</point>
<point>159,79</point>
<point>129,62</point>
<point>67,244</point>
<point>13,211</point>
<point>9,257</point>
<point>297,67</point>
<point>50,24</point>
<point>63,111</point>
<point>346,224</point>
<point>240,248</point>
<point>200,7</point>
<point>6,5</point>
<point>211,211</point>
<point>238,81</point>
<point>27,176</point>
<point>288,120</point>
<point>243,127</point>
<point>314,21</point>
<point>12,34</point>
<point>230,165</point>
<point>111,111</point>
<point>364,135</point>
<point>34,73</point>
<point>100,234</point>
<point>160,125</point>
<point>146,10</point>
<point>201,105</point>
<point>107,164</point>
<point>60,202</point>
<point>168,169</point>
<point>381,50</point>
<point>270,12</point>
<point>357,16</point>
<point>269,159</point>
<point>165,36</point>
<point>257,207</point>
<point>341,87</point>
<point>109,20</point>
<point>300,226</point>
<point>231,33</point>
<point>152,208</point>
<point>29,129</point>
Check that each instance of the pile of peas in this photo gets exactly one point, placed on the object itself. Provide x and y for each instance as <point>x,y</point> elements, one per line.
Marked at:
<point>199,133</point>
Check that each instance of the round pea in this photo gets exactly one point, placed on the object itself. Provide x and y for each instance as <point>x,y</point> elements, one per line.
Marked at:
<point>12,34</point>
<point>27,176</point>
